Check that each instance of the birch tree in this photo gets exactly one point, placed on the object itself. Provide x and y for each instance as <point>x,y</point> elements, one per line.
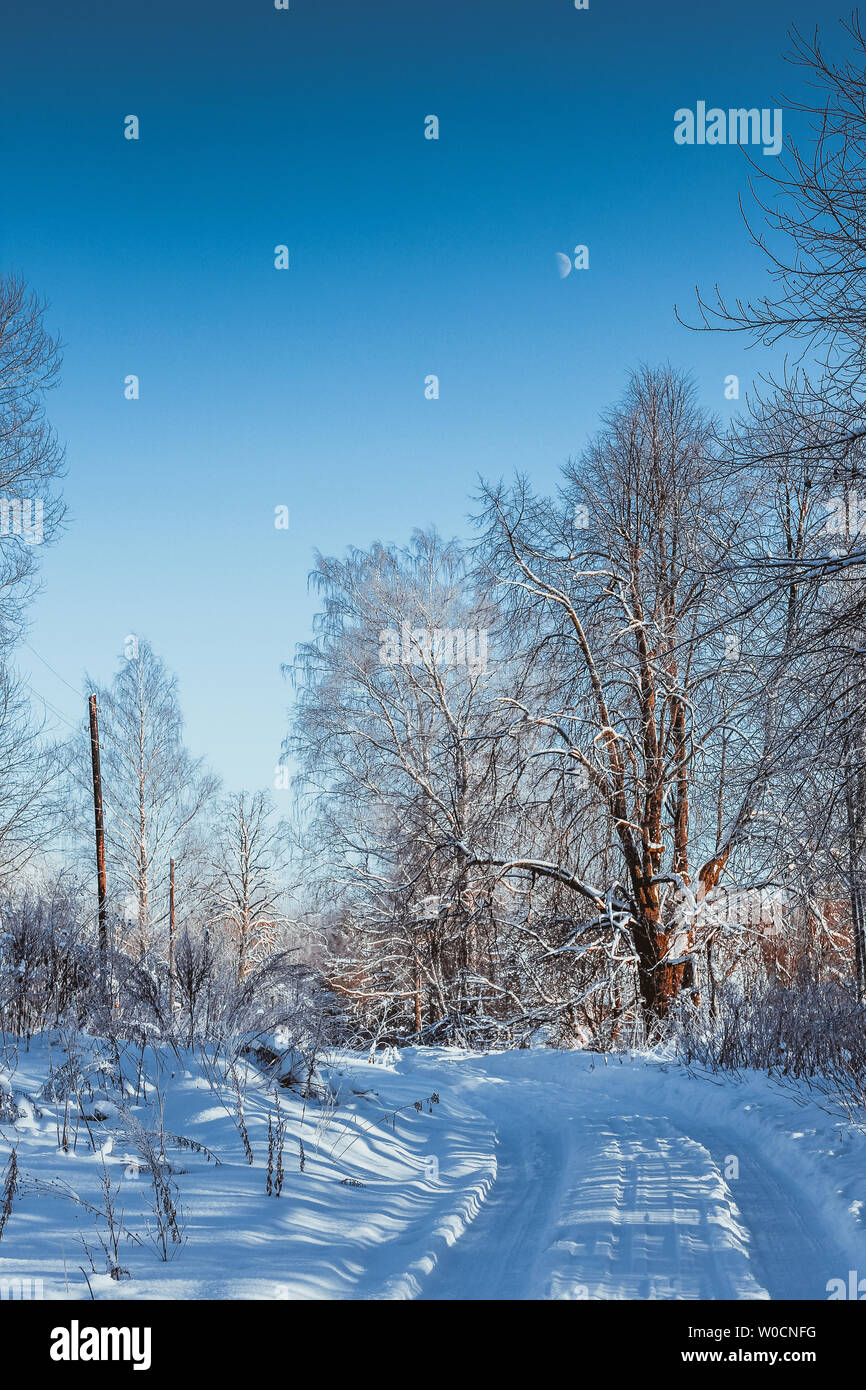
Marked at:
<point>410,773</point>
<point>249,887</point>
<point>621,584</point>
<point>155,792</point>
<point>31,513</point>
<point>31,456</point>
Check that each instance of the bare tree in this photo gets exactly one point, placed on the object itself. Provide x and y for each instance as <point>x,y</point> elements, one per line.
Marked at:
<point>31,462</point>
<point>29,773</point>
<point>811,207</point>
<point>249,887</point>
<point>31,458</point>
<point>622,587</point>
<point>809,223</point>
<point>155,792</point>
<point>411,773</point>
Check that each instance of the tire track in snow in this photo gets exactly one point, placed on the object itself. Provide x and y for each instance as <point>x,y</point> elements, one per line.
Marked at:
<point>590,1204</point>
<point>792,1250</point>
<point>646,1216</point>
<point>497,1255</point>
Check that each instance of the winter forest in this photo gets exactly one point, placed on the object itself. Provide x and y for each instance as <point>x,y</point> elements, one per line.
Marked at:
<point>568,838</point>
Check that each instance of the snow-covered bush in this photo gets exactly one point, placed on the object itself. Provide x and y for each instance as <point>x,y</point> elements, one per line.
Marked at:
<point>51,975</point>
<point>46,963</point>
<point>806,1029</point>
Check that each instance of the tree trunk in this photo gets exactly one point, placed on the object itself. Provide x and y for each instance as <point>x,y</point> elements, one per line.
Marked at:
<point>660,981</point>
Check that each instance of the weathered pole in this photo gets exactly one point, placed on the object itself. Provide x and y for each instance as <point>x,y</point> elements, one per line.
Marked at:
<point>171,937</point>
<point>101,889</point>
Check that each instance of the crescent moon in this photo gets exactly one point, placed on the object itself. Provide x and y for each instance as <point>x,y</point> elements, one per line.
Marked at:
<point>563,265</point>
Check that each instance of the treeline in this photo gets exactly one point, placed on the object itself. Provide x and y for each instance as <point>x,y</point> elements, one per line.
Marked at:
<point>652,789</point>
<point>202,934</point>
<point>222,952</point>
<point>598,772</point>
<point>642,790</point>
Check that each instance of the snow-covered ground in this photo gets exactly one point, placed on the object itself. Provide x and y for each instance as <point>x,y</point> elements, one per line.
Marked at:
<point>532,1174</point>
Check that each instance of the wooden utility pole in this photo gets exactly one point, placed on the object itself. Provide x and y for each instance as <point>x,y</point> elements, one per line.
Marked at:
<point>171,937</point>
<point>101,889</point>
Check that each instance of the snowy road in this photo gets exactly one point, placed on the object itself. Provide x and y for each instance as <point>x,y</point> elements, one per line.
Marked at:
<point>611,1189</point>
<point>455,1176</point>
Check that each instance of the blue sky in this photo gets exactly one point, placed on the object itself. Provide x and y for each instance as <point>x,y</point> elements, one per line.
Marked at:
<point>408,257</point>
